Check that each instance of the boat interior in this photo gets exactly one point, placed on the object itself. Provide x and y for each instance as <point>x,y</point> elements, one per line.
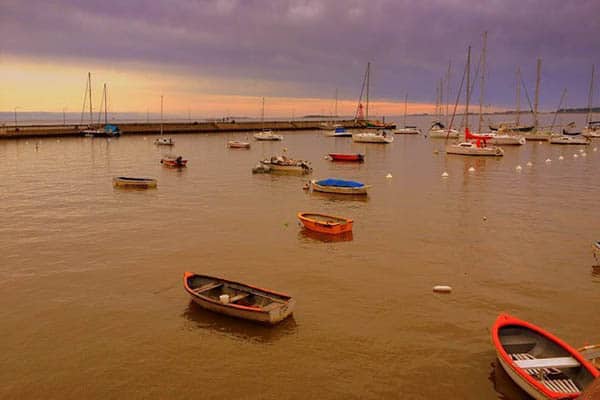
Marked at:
<point>238,294</point>
<point>544,360</point>
<point>328,219</point>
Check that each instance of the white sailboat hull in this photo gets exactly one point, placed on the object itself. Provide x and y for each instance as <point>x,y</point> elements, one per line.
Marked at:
<point>368,137</point>
<point>512,140</point>
<point>443,134</point>
<point>469,149</point>
<point>569,140</point>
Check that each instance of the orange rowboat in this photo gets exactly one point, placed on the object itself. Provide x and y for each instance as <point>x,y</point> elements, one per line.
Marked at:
<point>325,223</point>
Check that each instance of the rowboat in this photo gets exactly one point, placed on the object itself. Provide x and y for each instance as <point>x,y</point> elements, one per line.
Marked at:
<point>372,137</point>
<point>563,139</point>
<point>237,299</point>
<point>540,363</point>
<point>174,162</point>
<point>596,249</point>
<point>339,186</point>
<point>235,144</point>
<point>347,157</point>
<point>141,183</point>
<point>325,223</point>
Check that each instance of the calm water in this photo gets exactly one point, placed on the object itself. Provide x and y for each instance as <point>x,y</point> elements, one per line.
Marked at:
<point>90,276</point>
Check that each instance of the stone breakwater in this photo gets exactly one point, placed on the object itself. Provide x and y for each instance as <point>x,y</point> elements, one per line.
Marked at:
<point>169,128</point>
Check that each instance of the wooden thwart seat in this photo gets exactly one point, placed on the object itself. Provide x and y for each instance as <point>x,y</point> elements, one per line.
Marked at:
<point>238,297</point>
<point>555,362</point>
<point>207,287</point>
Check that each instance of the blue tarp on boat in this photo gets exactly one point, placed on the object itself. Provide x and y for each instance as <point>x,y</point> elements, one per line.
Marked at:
<point>340,130</point>
<point>339,183</point>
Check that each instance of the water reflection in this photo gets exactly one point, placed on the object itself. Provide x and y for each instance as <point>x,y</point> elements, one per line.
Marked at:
<point>306,235</point>
<point>199,318</point>
<point>504,385</point>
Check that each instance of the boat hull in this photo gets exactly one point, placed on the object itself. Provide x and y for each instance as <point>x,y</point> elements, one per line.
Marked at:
<point>267,136</point>
<point>507,140</point>
<point>140,183</point>
<point>407,131</point>
<point>347,157</point>
<point>238,145</point>
<point>339,190</point>
<point>371,138</point>
<point>475,151</point>
<point>265,315</point>
<point>596,249</point>
<point>442,134</point>
<point>569,140</point>
<point>539,136</point>
<point>173,163</point>
<point>293,169</point>
<point>325,223</point>
<point>511,335</point>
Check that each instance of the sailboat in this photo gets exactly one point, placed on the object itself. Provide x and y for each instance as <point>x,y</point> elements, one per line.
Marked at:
<point>163,141</point>
<point>467,147</point>
<point>381,135</point>
<point>109,130</point>
<point>537,133</point>
<point>334,129</point>
<point>407,129</point>
<point>266,134</point>
<point>438,129</point>
<point>592,128</point>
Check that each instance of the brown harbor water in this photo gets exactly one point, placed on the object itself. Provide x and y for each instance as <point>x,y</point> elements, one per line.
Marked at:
<point>92,304</point>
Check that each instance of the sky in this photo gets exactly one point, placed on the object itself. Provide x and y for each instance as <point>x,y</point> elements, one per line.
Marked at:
<point>219,57</point>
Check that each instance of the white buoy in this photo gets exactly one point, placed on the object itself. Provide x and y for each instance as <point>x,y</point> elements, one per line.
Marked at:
<point>595,149</point>
<point>575,155</point>
<point>581,150</point>
<point>518,168</point>
<point>471,169</point>
<point>583,154</point>
<point>445,175</point>
<point>561,158</point>
<point>442,289</point>
<point>548,160</point>
<point>529,164</point>
<point>388,175</point>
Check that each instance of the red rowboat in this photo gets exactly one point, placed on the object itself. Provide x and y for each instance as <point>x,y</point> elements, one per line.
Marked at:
<point>347,157</point>
<point>325,223</point>
<point>176,162</point>
<point>540,363</point>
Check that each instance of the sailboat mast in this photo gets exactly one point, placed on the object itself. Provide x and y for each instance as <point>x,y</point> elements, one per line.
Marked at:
<point>262,115</point>
<point>448,90</point>
<point>590,98</point>
<point>441,97</point>
<point>90,86</point>
<point>468,88</point>
<point>405,108</point>
<point>518,95</point>
<point>481,86</point>
<point>437,102</point>
<point>105,106</point>
<point>368,84</point>
<point>161,115</point>
<point>537,93</point>
<point>336,103</point>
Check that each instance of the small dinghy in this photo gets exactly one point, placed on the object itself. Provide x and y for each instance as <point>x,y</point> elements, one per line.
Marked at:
<point>238,299</point>
<point>339,186</point>
<point>235,144</point>
<point>540,363</point>
<point>325,223</point>
<point>286,164</point>
<point>141,183</point>
<point>356,157</point>
<point>596,249</point>
<point>174,162</point>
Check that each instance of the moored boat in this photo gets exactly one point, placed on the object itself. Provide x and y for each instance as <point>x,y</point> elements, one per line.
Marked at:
<point>506,139</point>
<point>592,130</point>
<point>141,183</point>
<point>472,149</point>
<point>338,131</point>
<point>407,130</point>
<point>267,135</point>
<point>562,139</point>
<point>325,223</point>
<point>357,157</point>
<point>540,363</point>
<point>174,162</point>
<point>285,164</point>
<point>596,249</point>
<point>164,141</point>
<point>236,144</point>
<point>373,137</point>
<point>339,186</point>
<point>237,299</point>
<point>439,131</point>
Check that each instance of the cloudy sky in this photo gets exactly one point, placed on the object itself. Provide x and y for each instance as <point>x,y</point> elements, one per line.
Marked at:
<point>218,57</point>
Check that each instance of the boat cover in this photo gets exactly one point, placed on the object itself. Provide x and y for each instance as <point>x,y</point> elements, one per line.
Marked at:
<point>340,130</point>
<point>339,183</point>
